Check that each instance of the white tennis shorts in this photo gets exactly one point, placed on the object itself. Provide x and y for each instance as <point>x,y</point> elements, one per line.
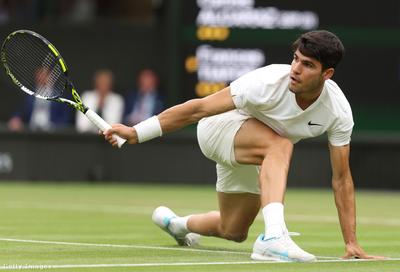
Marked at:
<point>216,136</point>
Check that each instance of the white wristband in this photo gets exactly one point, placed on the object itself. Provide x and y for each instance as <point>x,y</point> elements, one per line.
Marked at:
<point>148,129</point>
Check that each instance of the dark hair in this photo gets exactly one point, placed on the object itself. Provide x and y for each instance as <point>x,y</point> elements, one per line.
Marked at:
<point>321,45</point>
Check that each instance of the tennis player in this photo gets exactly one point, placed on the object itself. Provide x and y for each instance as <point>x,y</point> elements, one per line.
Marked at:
<point>249,129</point>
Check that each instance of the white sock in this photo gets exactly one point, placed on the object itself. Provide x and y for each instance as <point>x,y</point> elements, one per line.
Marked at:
<point>178,226</point>
<point>274,220</point>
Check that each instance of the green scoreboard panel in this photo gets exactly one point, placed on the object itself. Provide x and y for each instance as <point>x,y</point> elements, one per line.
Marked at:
<point>223,39</point>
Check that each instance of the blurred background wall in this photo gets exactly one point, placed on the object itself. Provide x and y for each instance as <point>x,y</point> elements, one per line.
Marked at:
<point>198,47</point>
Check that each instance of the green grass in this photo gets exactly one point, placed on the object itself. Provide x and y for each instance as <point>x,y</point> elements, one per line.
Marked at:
<point>121,215</point>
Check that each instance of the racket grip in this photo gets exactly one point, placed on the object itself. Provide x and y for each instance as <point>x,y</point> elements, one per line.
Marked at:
<point>102,125</point>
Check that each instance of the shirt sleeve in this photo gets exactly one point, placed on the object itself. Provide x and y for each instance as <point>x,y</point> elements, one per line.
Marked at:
<point>340,132</point>
<point>247,90</point>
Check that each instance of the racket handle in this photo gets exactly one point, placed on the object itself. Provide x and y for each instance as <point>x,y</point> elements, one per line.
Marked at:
<point>102,125</point>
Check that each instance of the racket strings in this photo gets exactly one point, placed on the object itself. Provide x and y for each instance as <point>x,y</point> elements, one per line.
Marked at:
<point>17,55</point>
<point>13,62</point>
<point>27,68</point>
<point>35,66</point>
<point>49,60</point>
<point>46,78</point>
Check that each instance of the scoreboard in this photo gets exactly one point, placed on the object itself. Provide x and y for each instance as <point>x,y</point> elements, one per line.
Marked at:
<point>223,39</point>
<point>226,38</point>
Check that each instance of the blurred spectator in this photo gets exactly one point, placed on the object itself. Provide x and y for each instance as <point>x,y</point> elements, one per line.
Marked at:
<point>102,100</point>
<point>78,11</point>
<point>40,114</point>
<point>146,101</point>
<point>4,12</point>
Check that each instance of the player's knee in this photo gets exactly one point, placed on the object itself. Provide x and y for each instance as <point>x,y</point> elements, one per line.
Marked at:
<point>285,144</point>
<point>280,144</point>
<point>280,149</point>
<point>276,141</point>
<point>235,236</point>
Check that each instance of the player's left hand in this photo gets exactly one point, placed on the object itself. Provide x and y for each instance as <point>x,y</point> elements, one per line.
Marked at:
<point>354,250</point>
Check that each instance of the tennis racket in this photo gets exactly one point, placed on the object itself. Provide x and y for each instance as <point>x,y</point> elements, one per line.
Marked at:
<point>37,68</point>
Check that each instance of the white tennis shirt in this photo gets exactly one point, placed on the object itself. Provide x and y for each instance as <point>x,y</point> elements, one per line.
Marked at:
<point>264,94</point>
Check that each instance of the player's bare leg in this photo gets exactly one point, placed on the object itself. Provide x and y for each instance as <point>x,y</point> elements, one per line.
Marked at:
<point>232,222</point>
<point>253,142</point>
<point>256,143</point>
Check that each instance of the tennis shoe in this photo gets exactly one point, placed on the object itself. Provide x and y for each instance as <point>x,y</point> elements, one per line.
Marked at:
<point>281,248</point>
<point>162,217</point>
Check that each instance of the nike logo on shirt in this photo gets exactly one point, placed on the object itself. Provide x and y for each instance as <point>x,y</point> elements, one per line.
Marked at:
<point>314,124</point>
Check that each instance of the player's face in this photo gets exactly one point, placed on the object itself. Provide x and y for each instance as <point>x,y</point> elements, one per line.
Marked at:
<point>306,75</point>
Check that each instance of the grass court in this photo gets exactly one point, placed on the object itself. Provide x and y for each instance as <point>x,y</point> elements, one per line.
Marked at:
<point>108,227</point>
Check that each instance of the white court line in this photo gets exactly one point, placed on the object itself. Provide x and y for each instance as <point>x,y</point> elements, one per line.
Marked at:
<point>136,246</point>
<point>145,247</point>
<point>42,267</point>
<point>124,246</point>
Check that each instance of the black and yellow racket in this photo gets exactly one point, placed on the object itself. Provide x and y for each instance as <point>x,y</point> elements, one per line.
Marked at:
<point>37,68</point>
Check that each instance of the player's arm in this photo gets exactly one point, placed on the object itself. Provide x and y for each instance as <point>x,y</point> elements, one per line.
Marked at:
<point>343,187</point>
<point>193,110</point>
<point>174,118</point>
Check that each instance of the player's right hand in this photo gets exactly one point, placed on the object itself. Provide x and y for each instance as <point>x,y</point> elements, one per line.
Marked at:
<point>123,131</point>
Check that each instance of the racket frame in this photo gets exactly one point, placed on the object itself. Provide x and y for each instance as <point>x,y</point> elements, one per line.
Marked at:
<point>77,104</point>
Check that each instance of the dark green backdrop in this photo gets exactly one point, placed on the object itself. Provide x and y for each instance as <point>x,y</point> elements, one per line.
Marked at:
<point>369,75</point>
